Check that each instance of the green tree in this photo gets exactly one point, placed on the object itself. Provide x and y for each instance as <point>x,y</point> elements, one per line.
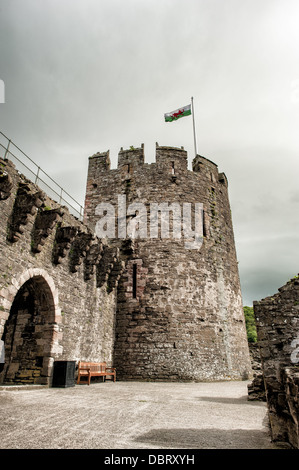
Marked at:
<point>250,324</point>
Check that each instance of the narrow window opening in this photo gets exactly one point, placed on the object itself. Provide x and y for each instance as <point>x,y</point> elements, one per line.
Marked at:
<point>172,168</point>
<point>204,226</point>
<point>134,281</point>
<point>129,168</point>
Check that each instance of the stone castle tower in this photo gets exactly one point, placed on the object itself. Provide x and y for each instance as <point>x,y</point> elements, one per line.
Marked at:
<point>179,312</point>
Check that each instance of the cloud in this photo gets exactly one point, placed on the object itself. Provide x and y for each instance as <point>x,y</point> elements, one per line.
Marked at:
<point>82,77</point>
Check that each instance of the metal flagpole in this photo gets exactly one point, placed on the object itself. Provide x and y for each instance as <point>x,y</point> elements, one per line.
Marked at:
<point>193,126</point>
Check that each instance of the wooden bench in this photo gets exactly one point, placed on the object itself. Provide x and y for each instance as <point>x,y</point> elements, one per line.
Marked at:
<point>94,369</point>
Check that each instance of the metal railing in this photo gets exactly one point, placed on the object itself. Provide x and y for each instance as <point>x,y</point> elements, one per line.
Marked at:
<point>35,173</point>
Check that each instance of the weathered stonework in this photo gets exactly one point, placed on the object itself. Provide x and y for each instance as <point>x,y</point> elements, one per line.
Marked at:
<point>50,305</point>
<point>179,314</point>
<point>256,389</point>
<point>277,322</point>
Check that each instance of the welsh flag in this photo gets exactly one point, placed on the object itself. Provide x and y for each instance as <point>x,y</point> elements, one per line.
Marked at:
<point>178,113</point>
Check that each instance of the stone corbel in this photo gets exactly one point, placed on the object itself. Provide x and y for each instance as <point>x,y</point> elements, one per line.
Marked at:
<point>92,259</point>
<point>26,204</point>
<point>109,268</point>
<point>79,249</point>
<point>62,243</point>
<point>5,184</point>
<point>43,226</point>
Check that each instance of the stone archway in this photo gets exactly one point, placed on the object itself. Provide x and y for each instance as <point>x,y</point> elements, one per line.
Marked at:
<point>31,335</point>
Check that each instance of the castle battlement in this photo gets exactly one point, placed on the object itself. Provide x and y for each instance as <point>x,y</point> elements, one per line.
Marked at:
<point>134,158</point>
<point>166,179</point>
<point>172,160</point>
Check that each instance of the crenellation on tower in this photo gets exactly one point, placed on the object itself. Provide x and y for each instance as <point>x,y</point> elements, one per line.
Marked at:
<point>100,161</point>
<point>223,179</point>
<point>131,158</point>
<point>173,159</point>
<point>206,168</point>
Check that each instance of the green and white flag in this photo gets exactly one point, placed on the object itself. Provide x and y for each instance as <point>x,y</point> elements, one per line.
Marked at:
<point>178,113</point>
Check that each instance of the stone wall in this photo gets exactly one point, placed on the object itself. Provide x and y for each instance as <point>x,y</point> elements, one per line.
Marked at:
<point>277,321</point>
<point>54,300</point>
<point>256,389</point>
<point>290,379</point>
<point>183,319</point>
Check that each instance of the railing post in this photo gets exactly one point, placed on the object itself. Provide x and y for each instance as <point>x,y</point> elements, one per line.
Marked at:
<point>7,151</point>
<point>36,176</point>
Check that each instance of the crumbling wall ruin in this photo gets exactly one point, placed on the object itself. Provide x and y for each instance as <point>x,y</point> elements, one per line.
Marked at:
<point>277,321</point>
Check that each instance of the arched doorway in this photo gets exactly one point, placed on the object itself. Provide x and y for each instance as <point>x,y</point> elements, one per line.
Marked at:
<point>28,334</point>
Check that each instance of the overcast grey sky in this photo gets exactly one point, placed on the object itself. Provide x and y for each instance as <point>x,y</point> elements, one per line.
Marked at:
<point>83,76</point>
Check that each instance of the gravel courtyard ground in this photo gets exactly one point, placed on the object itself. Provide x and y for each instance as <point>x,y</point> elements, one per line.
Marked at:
<point>133,415</point>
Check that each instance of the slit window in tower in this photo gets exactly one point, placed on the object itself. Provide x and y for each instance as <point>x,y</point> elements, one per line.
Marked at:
<point>134,281</point>
<point>204,227</point>
<point>172,168</point>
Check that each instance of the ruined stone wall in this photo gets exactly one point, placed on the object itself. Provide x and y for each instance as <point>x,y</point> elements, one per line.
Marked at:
<point>277,322</point>
<point>256,389</point>
<point>290,380</point>
<point>54,300</point>
<point>185,321</point>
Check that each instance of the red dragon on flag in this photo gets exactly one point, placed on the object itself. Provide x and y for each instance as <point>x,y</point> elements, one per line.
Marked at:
<point>178,113</point>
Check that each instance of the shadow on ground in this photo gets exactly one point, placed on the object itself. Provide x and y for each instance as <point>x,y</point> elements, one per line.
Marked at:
<point>229,401</point>
<point>206,439</point>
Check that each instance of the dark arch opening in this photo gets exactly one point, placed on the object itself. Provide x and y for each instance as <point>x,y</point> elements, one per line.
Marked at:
<point>28,334</point>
